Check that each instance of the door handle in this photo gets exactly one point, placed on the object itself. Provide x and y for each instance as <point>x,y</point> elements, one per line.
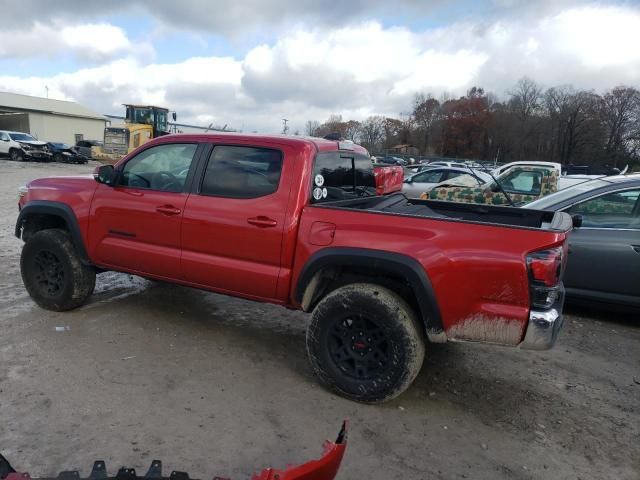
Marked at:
<point>168,210</point>
<point>262,222</point>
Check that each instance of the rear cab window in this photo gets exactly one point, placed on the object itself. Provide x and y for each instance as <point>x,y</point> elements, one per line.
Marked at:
<point>342,175</point>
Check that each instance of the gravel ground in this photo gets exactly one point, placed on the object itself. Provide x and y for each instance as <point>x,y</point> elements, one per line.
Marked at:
<point>218,386</point>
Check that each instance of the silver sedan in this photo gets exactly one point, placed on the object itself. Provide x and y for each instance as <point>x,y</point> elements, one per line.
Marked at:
<point>424,181</point>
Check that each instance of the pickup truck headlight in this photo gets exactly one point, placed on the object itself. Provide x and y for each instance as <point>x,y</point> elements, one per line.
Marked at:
<point>22,191</point>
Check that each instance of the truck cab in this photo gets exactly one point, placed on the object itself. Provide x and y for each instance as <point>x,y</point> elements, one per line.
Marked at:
<point>142,124</point>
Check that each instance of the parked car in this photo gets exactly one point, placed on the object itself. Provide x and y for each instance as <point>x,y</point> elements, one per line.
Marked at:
<point>22,146</point>
<point>421,182</point>
<point>84,147</point>
<point>252,216</point>
<point>447,164</point>
<point>65,153</point>
<point>604,252</point>
<point>517,186</point>
<point>391,160</point>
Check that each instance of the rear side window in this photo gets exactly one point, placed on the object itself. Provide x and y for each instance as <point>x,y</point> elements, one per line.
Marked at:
<point>341,176</point>
<point>242,172</point>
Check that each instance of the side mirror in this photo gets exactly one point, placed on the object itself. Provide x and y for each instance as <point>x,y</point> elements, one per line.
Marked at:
<point>174,115</point>
<point>4,139</point>
<point>576,220</point>
<point>495,188</point>
<point>104,174</point>
<point>408,180</point>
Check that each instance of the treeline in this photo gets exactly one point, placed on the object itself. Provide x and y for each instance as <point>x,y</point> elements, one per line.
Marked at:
<point>559,124</point>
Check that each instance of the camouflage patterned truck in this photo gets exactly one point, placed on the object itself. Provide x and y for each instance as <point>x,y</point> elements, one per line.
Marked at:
<point>522,184</point>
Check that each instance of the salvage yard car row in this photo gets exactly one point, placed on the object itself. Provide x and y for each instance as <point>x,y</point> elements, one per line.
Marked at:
<point>19,147</point>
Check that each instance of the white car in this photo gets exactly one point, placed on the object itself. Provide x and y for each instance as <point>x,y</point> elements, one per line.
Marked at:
<point>21,146</point>
<point>422,182</point>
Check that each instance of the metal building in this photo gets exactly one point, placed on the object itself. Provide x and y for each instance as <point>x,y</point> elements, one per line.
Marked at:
<point>50,120</point>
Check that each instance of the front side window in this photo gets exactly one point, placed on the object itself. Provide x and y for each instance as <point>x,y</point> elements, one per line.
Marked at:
<point>613,210</point>
<point>4,136</point>
<point>526,182</point>
<point>242,172</point>
<point>163,168</point>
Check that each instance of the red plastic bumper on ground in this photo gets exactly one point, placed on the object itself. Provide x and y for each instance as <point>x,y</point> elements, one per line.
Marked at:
<point>324,468</point>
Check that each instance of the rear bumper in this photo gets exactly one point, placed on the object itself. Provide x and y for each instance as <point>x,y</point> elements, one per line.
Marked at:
<point>543,327</point>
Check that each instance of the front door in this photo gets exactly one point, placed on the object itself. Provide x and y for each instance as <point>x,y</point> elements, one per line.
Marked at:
<point>135,224</point>
<point>604,254</point>
<point>233,222</point>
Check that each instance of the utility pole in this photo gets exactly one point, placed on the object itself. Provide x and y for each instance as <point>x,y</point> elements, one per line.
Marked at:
<point>285,127</point>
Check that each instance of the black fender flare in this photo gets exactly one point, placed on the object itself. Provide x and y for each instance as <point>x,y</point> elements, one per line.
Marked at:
<point>55,209</point>
<point>401,265</point>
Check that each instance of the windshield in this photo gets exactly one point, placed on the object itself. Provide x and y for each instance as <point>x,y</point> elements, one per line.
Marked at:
<point>21,137</point>
<point>340,176</point>
<point>567,193</point>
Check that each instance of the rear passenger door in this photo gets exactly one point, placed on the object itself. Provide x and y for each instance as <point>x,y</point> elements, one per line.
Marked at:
<point>234,219</point>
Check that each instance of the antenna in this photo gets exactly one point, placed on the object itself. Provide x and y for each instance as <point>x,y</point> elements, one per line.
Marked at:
<point>285,127</point>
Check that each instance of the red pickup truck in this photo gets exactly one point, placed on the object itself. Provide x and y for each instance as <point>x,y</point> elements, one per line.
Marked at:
<point>297,222</point>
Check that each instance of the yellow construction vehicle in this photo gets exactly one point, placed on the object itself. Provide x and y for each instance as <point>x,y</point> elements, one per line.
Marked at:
<point>142,123</point>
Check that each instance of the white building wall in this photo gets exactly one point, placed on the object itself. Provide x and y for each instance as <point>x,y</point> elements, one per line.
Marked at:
<point>60,128</point>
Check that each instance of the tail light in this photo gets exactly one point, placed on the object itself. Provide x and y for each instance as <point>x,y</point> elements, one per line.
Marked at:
<point>545,272</point>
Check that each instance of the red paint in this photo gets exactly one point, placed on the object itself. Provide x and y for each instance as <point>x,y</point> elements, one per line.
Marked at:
<point>324,468</point>
<point>256,248</point>
<point>388,179</point>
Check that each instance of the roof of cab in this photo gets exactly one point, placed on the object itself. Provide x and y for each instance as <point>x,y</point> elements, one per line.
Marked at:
<point>320,144</point>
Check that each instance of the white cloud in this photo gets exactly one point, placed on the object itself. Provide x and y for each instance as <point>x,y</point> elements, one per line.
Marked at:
<point>95,42</point>
<point>354,70</point>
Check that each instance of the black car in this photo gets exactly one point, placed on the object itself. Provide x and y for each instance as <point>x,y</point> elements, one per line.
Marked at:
<point>604,252</point>
<point>65,153</point>
<point>84,146</point>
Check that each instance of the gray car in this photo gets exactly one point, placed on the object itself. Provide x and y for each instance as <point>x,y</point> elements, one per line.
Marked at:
<point>421,182</point>
<point>604,252</point>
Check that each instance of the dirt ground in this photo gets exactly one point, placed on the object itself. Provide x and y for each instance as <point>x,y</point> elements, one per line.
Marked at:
<point>218,386</point>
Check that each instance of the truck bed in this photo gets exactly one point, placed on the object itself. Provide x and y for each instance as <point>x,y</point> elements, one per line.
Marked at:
<point>399,204</point>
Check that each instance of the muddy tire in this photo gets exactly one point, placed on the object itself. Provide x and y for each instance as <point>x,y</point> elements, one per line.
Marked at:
<point>52,271</point>
<point>16,155</point>
<point>365,343</point>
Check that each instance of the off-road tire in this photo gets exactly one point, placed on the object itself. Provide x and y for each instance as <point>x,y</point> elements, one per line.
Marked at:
<point>52,272</point>
<point>394,321</point>
<point>16,155</point>
<point>59,158</point>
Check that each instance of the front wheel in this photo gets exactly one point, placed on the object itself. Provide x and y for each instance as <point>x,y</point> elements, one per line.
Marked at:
<point>365,343</point>
<point>17,155</point>
<point>58,158</point>
<point>52,272</point>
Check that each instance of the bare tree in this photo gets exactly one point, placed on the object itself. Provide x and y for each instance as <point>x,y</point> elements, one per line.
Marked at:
<point>311,128</point>
<point>372,132</point>
<point>571,120</point>
<point>620,116</point>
